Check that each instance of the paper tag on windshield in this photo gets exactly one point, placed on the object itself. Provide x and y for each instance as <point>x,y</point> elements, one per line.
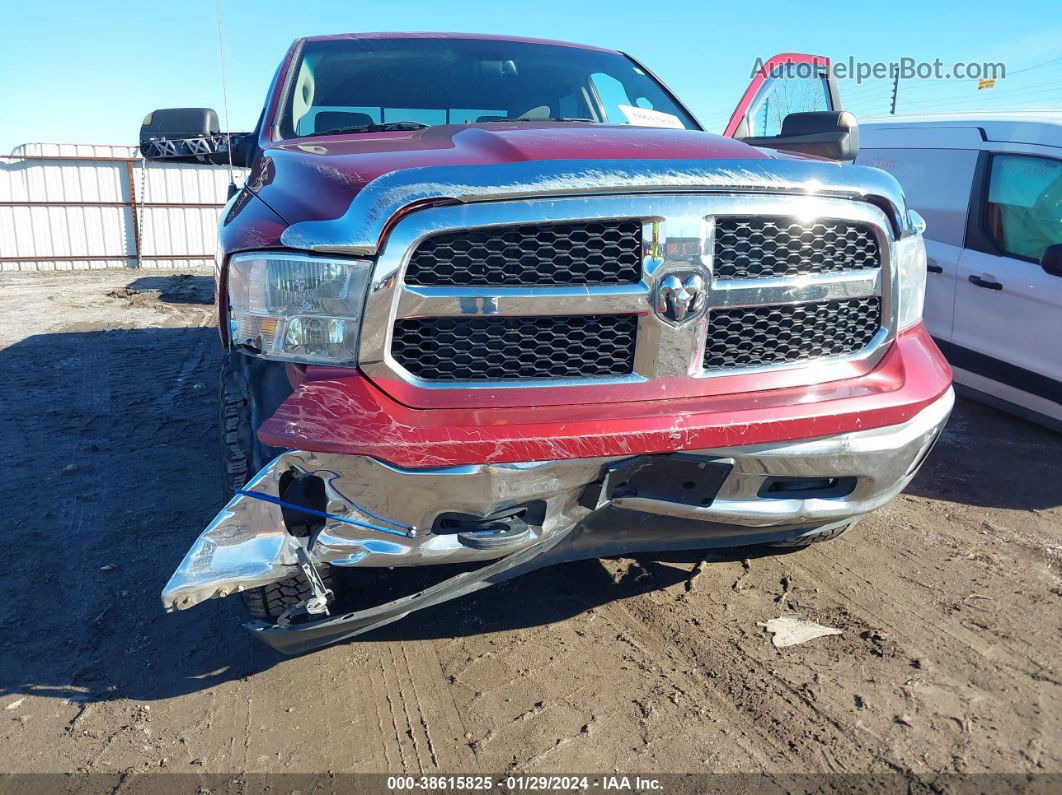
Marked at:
<point>643,117</point>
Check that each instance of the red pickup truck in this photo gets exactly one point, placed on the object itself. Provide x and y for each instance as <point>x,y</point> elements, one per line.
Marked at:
<point>490,304</point>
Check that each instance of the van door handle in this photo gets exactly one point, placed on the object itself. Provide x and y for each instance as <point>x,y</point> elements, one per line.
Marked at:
<point>988,285</point>
<point>932,267</point>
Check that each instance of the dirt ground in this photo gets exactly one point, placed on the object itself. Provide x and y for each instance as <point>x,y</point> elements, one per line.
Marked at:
<point>949,601</point>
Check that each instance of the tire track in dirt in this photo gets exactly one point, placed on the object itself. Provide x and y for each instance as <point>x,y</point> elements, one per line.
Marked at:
<point>765,718</point>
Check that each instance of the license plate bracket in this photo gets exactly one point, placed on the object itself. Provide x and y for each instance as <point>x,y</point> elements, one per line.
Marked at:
<point>676,477</point>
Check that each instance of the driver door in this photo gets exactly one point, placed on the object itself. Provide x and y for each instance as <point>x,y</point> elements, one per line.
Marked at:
<point>784,84</point>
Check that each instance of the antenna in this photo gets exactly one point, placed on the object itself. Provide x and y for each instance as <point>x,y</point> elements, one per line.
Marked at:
<point>225,96</point>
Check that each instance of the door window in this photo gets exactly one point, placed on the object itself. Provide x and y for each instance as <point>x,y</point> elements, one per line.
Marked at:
<point>781,96</point>
<point>1023,212</point>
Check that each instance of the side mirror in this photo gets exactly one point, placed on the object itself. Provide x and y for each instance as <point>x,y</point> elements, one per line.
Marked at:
<point>191,135</point>
<point>824,133</point>
<point>1051,261</point>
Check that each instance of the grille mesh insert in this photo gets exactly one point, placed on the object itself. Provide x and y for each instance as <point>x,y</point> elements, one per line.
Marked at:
<point>605,252</point>
<point>758,247</point>
<point>504,348</point>
<point>759,336</point>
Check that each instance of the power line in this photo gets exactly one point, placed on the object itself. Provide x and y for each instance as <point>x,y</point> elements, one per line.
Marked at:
<point>918,85</point>
<point>1037,66</point>
<point>950,81</point>
<point>962,83</point>
<point>880,99</point>
<point>990,94</point>
<point>979,101</point>
<point>968,110</point>
<point>983,101</point>
<point>993,92</point>
<point>865,86</point>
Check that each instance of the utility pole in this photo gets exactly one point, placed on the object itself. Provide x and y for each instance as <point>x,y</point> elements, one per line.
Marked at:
<point>895,87</point>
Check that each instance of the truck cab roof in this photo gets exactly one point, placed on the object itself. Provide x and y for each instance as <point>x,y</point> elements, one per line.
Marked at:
<point>444,35</point>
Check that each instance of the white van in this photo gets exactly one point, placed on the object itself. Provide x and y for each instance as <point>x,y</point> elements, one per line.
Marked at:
<point>990,189</point>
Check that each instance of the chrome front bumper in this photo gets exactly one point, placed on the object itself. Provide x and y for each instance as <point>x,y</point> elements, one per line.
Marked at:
<point>379,515</point>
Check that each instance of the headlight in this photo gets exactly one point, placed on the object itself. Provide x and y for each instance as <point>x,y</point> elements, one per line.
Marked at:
<point>909,254</point>
<point>296,307</point>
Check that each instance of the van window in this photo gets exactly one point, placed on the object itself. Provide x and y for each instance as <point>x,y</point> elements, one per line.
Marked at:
<point>1023,213</point>
<point>936,182</point>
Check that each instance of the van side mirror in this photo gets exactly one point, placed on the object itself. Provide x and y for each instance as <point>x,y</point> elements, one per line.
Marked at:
<point>191,135</point>
<point>1051,261</point>
<point>823,133</point>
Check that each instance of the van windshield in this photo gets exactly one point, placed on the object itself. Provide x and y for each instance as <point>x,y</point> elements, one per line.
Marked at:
<point>340,84</point>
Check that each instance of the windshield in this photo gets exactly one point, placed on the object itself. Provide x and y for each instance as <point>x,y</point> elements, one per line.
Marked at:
<point>340,84</point>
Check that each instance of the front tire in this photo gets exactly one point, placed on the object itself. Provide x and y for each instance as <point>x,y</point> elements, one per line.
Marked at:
<point>250,391</point>
<point>271,601</point>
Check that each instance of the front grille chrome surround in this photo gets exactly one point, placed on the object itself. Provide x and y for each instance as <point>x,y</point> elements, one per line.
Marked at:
<point>678,233</point>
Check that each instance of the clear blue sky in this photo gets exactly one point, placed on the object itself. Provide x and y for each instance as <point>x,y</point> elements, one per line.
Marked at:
<point>86,72</point>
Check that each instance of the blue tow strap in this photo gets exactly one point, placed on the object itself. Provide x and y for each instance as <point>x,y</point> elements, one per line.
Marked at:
<point>409,533</point>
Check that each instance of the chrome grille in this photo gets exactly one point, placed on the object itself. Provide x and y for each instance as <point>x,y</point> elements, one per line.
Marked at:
<point>606,252</point>
<point>507,348</point>
<point>758,247</point>
<point>489,332</point>
<point>759,336</point>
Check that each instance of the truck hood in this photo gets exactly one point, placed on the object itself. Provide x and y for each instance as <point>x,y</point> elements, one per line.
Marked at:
<point>317,178</point>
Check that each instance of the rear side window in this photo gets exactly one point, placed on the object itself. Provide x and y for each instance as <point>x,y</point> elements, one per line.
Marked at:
<point>936,182</point>
<point>1023,210</point>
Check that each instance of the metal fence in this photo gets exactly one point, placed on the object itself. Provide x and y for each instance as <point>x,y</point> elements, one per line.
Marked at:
<point>80,206</point>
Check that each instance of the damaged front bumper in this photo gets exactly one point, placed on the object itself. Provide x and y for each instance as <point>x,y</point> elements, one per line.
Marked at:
<point>378,515</point>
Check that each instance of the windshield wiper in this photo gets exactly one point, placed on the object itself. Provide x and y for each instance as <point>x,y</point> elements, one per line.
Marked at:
<point>387,126</point>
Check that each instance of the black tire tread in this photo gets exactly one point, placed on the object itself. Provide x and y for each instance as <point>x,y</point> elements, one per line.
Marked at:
<point>236,431</point>
<point>237,449</point>
<point>270,601</point>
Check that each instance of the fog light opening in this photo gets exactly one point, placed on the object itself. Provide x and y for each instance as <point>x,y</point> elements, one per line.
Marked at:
<point>805,488</point>
<point>304,491</point>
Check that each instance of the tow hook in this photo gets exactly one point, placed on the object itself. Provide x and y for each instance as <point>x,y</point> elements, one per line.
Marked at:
<point>512,531</point>
<point>504,530</point>
<point>314,605</point>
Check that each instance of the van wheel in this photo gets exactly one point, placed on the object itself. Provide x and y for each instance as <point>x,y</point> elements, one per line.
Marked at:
<point>798,542</point>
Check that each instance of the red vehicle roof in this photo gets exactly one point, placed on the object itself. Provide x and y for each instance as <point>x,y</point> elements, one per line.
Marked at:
<point>427,35</point>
